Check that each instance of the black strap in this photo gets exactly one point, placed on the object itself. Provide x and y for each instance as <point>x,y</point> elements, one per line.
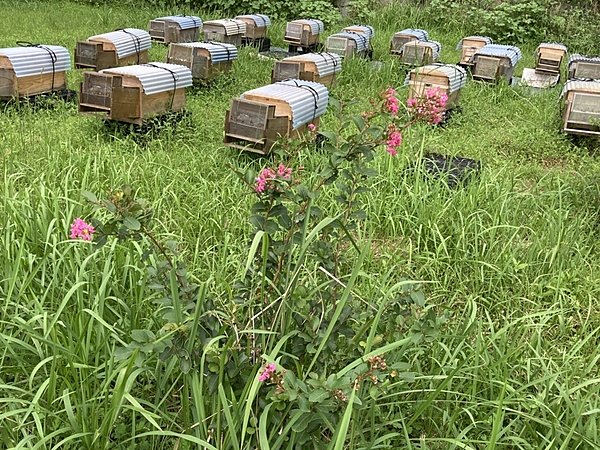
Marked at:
<point>220,44</point>
<point>53,56</point>
<point>310,89</point>
<point>173,74</point>
<point>196,23</point>
<point>137,43</point>
<point>325,57</point>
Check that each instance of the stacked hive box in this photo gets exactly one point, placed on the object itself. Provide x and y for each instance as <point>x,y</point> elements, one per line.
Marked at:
<point>170,29</point>
<point>402,37</point>
<point>134,93</point>
<point>206,60</point>
<point>319,67</point>
<point>448,78</point>
<point>256,30</point>
<point>549,58</point>
<point>581,111</point>
<point>229,31</point>
<point>494,62</point>
<point>348,44</point>
<point>303,33</point>
<point>261,116</point>
<point>114,49</point>
<point>469,45</point>
<point>33,70</point>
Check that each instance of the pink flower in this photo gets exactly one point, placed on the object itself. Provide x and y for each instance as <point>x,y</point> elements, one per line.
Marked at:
<point>429,107</point>
<point>393,142</point>
<point>80,229</point>
<point>391,103</point>
<point>268,370</point>
<point>311,127</point>
<point>267,179</point>
<point>284,172</point>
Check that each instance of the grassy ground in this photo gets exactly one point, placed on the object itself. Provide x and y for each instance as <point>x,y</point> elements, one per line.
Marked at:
<point>512,257</point>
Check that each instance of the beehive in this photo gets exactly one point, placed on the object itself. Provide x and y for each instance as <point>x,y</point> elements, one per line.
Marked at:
<point>581,112</point>
<point>114,49</point>
<point>319,67</point>
<point>402,37</point>
<point>134,93</point>
<point>32,70</point>
<point>176,29</point>
<point>303,32</point>
<point>348,44</point>
<point>229,31</point>
<point>584,67</point>
<point>364,29</point>
<point>449,78</point>
<point>207,60</point>
<point>417,53</point>
<point>256,25</point>
<point>469,45</point>
<point>549,57</point>
<point>493,62</point>
<point>261,116</point>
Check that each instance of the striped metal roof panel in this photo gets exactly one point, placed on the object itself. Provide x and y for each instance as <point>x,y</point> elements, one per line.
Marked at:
<point>316,26</point>
<point>576,85</point>
<point>326,63</point>
<point>576,57</point>
<point>156,77</point>
<point>307,99</point>
<point>38,59</point>
<point>366,29</point>
<point>486,39</point>
<point>503,51</point>
<point>260,20</point>
<point>421,35</point>
<point>127,41</point>
<point>553,45</point>
<point>231,26</point>
<point>457,76</point>
<point>184,22</point>
<point>219,52</point>
<point>362,40</point>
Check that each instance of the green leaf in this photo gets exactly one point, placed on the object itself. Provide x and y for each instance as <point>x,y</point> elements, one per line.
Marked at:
<point>359,121</point>
<point>318,395</point>
<point>89,196</point>
<point>131,223</point>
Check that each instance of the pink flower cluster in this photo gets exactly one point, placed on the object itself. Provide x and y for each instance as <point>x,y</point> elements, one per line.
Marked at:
<point>267,178</point>
<point>429,107</point>
<point>311,127</point>
<point>267,372</point>
<point>394,140</point>
<point>80,229</point>
<point>391,103</point>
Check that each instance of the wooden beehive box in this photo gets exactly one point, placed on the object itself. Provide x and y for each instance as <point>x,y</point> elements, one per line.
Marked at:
<point>261,116</point>
<point>175,29</point>
<point>418,53</point>
<point>449,78</point>
<point>493,62</point>
<point>33,70</point>
<point>256,25</point>
<point>134,93</point>
<point>319,67</point>
<point>584,67</point>
<point>581,112</point>
<point>549,57</point>
<point>402,37</point>
<point>206,60</point>
<point>114,49</point>
<point>469,45</point>
<point>303,32</point>
<point>348,44</point>
<point>364,29</point>
<point>229,31</point>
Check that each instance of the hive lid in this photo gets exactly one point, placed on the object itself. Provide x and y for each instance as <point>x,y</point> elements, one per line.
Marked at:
<point>260,20</point>
<point>503,51</point>
<point>326,63</point>
<point>37,59</point>
<point>316,26</point>
<point>366,29</point>
<point>362,40</point>
<point>184,22</point>
<point>576,57</point>
<point>127,41</point>
<point>585,86</point>
<point>456,75</point>
<point>485,39</point>
<point>218,51</point>
<point>231,26</point>
<point>421,35</point>
<point>553,45</point>
<point>156,77</point>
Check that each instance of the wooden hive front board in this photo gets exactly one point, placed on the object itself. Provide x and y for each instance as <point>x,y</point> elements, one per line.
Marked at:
<point>285,70</point>
<point>469,48</point>
<point>13,86</point>
<point>585,70</point>
<point>548,60</point>
<point>95,93</point>
<point>300,34</point>
<point>582,113</point>
<point>417,54</point>
<point>420,82</point>
<point>398,42</point>
<point>253,31</point>
<point>491,68</point>
<point>157,30</point>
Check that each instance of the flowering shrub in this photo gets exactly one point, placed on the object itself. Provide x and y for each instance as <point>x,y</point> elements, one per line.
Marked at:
<point>429,107</point>
<point>80,229</point>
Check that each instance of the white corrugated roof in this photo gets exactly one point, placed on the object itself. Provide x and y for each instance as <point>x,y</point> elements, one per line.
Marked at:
<point>260,20</point>
<point>38,59</point>
<point>218,51</point>
<point>231,26</point>
<point>486,39</point>
<point>576,85</point>
<point>127,41</point>
<point>457,76</point>
<point>326,63</point>
<point>184,22</point>
<point>156,77</point>
<point>505,51</point>
<point>553,45</point>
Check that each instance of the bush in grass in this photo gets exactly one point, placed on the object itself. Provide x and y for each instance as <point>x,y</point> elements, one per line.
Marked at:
<point>296,354</point>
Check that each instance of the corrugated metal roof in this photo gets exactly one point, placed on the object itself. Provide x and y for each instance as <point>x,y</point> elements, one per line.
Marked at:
<point>553,45</point>
<point>307,99</point>
<point>38,59</point>
<point>576,85</point>
<point>260,20</point>
<point>219,52</point>
<point>435,47</point>
<point>156,77</point>
<point>576,57</point>
<point>362,40</point>
<point>366,29</point>
<point>486,39</point>
<point>231,26</point>
<point>457,76</point>
<point>316,26</point>
<point>505,51</point>
<point>127,41</point>
<point>184,22</point>
<point>326,63</point>
<point>421,35</point>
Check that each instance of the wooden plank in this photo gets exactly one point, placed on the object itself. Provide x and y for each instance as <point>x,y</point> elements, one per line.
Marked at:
<point>40,84</point>
<point>8,83</point>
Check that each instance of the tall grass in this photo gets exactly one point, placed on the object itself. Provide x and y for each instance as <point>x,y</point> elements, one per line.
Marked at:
<point>510,261</point>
